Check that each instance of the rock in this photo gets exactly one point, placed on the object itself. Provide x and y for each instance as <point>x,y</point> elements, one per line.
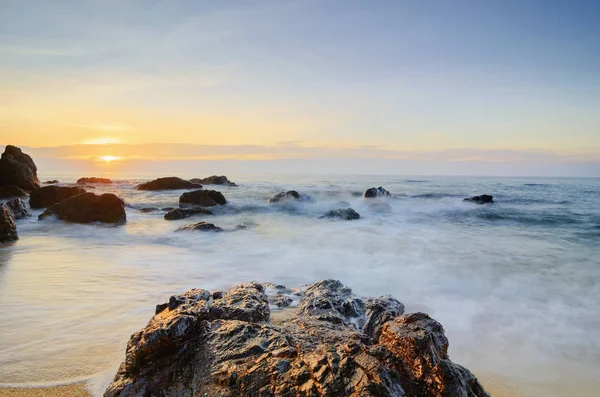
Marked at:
<point>334,344</point>
<point>344,204</point>
<point>48,195</point>
<point>343,213</point>
<point>52,182</point>
<point>93,179</point>
<point>17,168</point>
<point>291,195</point>
<point>169,183</point>
<point>376,192</point>
<point>18,208</point>
<point>383,208</point>
<point>214,180</point>
<point>8,228</point>
<point>167,209</point>
<point>11,191</point>
<point>201,226</point>
<point>202,198</point>
<point>483,199</point>
<point>147,209</point>
<point>180,213</point>
<point>89,207</point>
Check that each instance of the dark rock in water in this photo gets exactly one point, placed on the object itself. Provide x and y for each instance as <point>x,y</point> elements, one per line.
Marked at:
<point>167,209</point>
<point>18,208</point>
<point>202,198</point>
<point>214,180</point>
<point>17,168</point>
<point>52,182</point>
<point>93,179</point>
<point>89,207</point>
<point>334,344</point>
<point>168,183</point>
<point>343,213</point>
<point>201,226</point>
<point>181,213</point>
<point>380,207</point>
<point>11,191</point>
<point>483,199</point>
<point>291,195</point>
<point>376,192</point>
<point>8,228</point>
<point>48,195</point>
<point>147,209</point>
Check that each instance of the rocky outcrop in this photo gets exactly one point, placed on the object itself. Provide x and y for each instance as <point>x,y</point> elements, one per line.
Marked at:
<point>291,196</point>
<point>202,198</point>
<point>343,213</point>
<point>200,226</point>
<point>52,182</point>
<point>182,213</point>
<point>17,168</point>
<point>334,343</point>
<point>11,191</point>
<point>214,180</point>
<point>93,180</point>
<point>89,207</point>
<point>46,196</point>
<point>8,228</point>
<point>18,208</point>
<point>376,192</point>
<point>168,183</point>
<point>483,199</point>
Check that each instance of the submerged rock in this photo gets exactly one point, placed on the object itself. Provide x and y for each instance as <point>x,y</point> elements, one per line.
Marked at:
<point>214,180</point>
<point>93,179</point>
<point>343,213</point>
<point>376,192</point>
<point>48,195</point>
<point>203,343</point>
<point>202,198</point>
<point>201,226</point>
<point>11,191</point>
<point>147,209</point>
<point>182,213</point>
<point>483,199</point>
<point>17,168</point>
<point>291,195</point>
<point>168,183</point>
<point>52,182</point>
<point>89,207</point>
<point>18,208</point>
<point>380,207</point>
<point>8,228</point>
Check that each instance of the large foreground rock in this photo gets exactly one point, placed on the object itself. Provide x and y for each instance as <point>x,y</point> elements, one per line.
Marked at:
<point>334,344</point>
<point>93,180</point>
<point>291,196</point>
<point>17,168</point>
<point>168,183</point>
<point>11,191</point>
<point>214,180</point>
<point>89,207</point>
<point>46,196</point>
<point>483,199</point>
<point>18,208</point>
<point>202,198</point>
<point>8,228</point>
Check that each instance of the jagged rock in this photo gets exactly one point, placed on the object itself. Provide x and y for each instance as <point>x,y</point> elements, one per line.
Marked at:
<point>376,192</point>
<point>214,180</point>
<point>17,168</point>
<point>93,180</point>
<point>291,195</point>
<point>200,226</point>
<point>11,191</point>
<point>18,208</point>
<point>483,199</point>
<point>168,183</point>
<point>48,195</point>
<point>8,228</point>
<point>343,213</point>
<point>89,207</point>
<point>380,207</point>
<point>52,182</point>
<point>181,213</point>
<point>334,344</point>
<point>202,198</point>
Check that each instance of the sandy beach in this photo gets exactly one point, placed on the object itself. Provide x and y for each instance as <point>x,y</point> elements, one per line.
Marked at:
<point>73,390</point>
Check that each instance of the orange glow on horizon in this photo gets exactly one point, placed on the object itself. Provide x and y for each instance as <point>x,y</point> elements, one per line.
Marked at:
<point>109,159</point>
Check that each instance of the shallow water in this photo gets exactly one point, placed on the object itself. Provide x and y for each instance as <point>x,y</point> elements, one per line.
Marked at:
<point>515,284</point>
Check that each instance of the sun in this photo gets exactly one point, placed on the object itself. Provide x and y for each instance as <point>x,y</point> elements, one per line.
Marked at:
<point>109,159</point>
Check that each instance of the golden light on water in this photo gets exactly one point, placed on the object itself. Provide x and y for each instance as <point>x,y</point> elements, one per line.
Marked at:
<point>109,159</point>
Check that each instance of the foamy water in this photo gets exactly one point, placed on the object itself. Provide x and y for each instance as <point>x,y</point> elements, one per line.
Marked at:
<point>516,284</point>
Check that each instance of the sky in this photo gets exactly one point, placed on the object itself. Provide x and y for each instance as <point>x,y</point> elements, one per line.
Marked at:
<point>406,87</point>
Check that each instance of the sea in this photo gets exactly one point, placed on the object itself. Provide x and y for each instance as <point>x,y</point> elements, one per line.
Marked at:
<point>516,284</point>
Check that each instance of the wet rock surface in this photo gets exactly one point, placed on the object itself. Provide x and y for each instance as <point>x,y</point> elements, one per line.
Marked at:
<point>223,343</point>
<point>182,213</point>
<point>11,191</point>
<point>8,228</point>
<point>376,192</point>
<point>168,183</point>
<point>483,199</point>
<point>18,208</point>
<point>200,226</point>
<point>89,207</point>
<point>18,169</point>
<point>342,213</point>
<point>48,195</point>
<point>291,195</point>
<point>214,180</point>
<point>93,180</point>
<point>202,198</point>
<point>52,182</point>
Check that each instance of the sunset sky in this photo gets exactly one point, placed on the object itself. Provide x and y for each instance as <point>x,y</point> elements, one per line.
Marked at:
<point>432,87</point>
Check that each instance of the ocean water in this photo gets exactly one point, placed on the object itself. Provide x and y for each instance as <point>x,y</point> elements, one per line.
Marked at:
<point>515,284</point>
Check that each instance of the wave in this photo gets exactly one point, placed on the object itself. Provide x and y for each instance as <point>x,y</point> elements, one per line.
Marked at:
<point>436,195</point>
<point>415,181</point>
